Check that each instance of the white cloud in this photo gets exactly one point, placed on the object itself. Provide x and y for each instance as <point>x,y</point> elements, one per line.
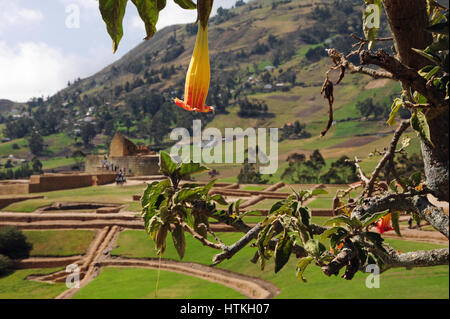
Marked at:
<point>11,14</point>
<point>33,69</point>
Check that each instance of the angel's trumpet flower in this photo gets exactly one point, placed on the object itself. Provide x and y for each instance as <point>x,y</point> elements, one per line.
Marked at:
<point>384,224</point>
<point>198,76</point>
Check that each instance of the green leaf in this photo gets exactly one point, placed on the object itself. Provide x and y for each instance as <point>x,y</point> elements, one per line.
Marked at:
<point>332,231</point>
<point>191,168</point>
<point>219,199</point>
<point>236,206</point>
<point>301,267</point>
<point>145,198</point>
<point>393,186</point>
<point>436,60</point>
<point>283,251</point>
<point>415,179</point>
<point>167,166</point>
<point>160,238</point>
<point>395,222</point>
<point>420,125</point>
<point>343,219</point>
<point>186,4</point>
<point>432,72</point>
<point>179,240</point>
<point>113,12</point>
<point>186,194</point>
<point>208,186</point>
<point>149,12</point>
<point>337,237</point>
<point>314,248</point>
<point>275,207</point>
<point>318,191</point>
<point>305,215</point>
<point>394,110</point>
<point>368,219</point>
<point>375,238</point>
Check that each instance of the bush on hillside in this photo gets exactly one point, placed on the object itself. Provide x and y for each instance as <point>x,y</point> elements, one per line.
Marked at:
<point>13,243</point>
<point>5,265</point>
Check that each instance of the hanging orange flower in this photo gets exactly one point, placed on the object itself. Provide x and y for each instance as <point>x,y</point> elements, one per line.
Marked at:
<point>384,223</point>
<point>198,76</point>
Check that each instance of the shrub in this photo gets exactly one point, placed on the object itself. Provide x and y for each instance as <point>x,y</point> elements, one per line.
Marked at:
<point>5,265</point>
<point>13,243</point>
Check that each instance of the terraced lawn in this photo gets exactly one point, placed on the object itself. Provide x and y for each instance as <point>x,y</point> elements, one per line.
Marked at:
<point>139,283</point>
<point>16,286</point>
<point>430,282</point>
<point>59,243</point>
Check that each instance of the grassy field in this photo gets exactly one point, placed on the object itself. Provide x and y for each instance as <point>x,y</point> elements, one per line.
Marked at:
<point>138,283</point>
<point>16,286</point>
<point>47,243</point>
<point>395,283</point>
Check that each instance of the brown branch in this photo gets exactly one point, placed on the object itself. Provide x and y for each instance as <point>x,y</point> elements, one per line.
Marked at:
<point>423,258</point>
<point>408,76</point>
<point>199,237</point>
<point>362,176</point>
<point>341,59</point>
<point>412,201</point>
<point>341,260</point>
<point>390,153</point>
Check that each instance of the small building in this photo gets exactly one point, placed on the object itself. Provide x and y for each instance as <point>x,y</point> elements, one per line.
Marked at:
<point>137,160</point>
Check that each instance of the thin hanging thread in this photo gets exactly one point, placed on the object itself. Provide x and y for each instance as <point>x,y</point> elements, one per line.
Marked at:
<point>157,279</point>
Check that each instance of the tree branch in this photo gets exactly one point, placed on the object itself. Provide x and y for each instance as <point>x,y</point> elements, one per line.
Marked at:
<point>199,237</point>
<point>408,76</point>
<point>423,258</point>
<point>341,59</point>
<point>411,202</point>
<point>389,155</point>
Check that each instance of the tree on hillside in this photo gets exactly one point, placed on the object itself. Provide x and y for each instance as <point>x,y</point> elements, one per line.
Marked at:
<point>36,165</point>
<point>36,143</point>
<point>87,133</point>
<point>78,157</point>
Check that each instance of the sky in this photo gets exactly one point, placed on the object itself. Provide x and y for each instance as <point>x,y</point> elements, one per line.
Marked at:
<point>46,43</point>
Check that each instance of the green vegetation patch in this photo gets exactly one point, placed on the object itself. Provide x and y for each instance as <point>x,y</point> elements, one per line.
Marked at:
<point>49,243</point>
<point>430,282</point>
<point>16,286</point>
<point>138,283</point>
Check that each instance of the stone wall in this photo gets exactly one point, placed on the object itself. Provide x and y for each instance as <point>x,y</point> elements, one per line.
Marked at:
<point>11,187</point>
<point>135,165</point>
<point>53,182</point>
